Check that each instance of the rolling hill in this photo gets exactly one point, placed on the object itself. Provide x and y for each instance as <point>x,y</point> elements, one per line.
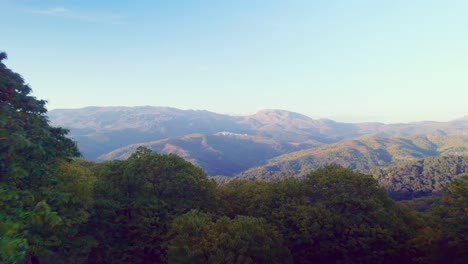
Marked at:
<point>223,153</point>
<point>361,154</point>
<point>263,144</point>
<point>99,130</point>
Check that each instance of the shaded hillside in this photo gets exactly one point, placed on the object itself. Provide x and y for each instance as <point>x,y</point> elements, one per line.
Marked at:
<point>99,130</point>
<point>424,177</point>
<point>361,155</point>
<point>219,154</point>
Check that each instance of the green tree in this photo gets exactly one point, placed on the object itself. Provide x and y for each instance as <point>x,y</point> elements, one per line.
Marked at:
<point>196,238</point>
<point>74,204</point>
<point>29,151</point>
<point>453,220</point>
<point>136,200</point>
<point>344,217</point>
<point>241,197</point>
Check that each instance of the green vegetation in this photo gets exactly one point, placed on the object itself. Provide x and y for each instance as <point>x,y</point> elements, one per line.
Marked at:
<point>363,155</point>
<point>424,177</point>
<point>136,200</point>
<point>196,238</point>
<point>34,176</point>
<point>153,208</point>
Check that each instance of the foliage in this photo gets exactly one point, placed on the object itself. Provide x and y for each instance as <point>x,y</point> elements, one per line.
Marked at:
<point>30,150</point>
<point>424,177</point>
<point>348,218</point>
<point>453,218</point>
<point>244,239</point>
<point>13,242</point>
<point>336,215</point>
<point>422,204</point>
<point>137,199</point>
<point>74,204</point>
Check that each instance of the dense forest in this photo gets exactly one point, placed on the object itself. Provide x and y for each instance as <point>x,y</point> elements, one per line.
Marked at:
<point>153,208</point>
<point>420,178</point>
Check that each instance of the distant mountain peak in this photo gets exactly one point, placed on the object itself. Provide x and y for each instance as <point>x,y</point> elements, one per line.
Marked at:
<point>278,114</point>
<point>271,110</point>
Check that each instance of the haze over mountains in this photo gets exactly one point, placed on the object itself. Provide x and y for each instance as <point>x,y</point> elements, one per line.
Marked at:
<point>268,141</point>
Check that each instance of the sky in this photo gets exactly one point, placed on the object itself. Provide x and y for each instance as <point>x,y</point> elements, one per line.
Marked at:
<point>390,61</point>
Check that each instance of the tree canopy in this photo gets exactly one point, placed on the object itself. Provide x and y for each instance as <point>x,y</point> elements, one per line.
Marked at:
<point>30,153</point>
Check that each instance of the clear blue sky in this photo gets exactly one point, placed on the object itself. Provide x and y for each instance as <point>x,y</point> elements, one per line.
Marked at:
<point>389,61</point>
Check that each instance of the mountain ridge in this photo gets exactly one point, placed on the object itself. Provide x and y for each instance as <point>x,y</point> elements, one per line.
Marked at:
<point>104,132</point>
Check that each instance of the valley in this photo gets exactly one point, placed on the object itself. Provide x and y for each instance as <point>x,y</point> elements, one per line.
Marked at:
<point>268,145</point>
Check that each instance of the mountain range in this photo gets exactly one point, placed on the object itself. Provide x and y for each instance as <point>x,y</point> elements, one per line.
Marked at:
<point>264,144</point>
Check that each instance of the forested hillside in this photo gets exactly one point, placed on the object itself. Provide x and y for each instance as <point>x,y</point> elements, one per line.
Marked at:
<point>424,177</point>
<point>404,180</point>
<point>154,208</point>
<point>361,154</point>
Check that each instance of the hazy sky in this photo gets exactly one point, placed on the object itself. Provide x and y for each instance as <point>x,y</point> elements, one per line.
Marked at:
<point>350,60</point>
